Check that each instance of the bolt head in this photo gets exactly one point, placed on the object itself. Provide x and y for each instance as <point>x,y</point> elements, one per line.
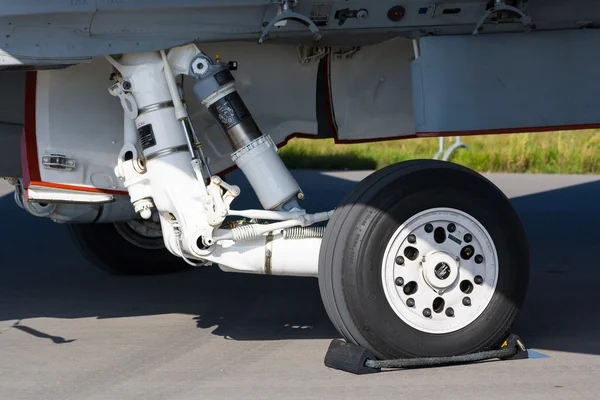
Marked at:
<point>400,260</point>
<point>466,301</point>
<point>451,228</point>
<point>146,213</point>
<point>468,238</point>
<point>450,312</point>
<point>412,239</point>
<point>428,228</point>
<point>399,281</point>
<point>427,313</point>
<point>410,302</point>
<point>478,279</point>
<point>478,258</point>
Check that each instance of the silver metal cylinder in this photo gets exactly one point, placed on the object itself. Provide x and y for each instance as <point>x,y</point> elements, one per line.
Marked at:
<point>243,134</point>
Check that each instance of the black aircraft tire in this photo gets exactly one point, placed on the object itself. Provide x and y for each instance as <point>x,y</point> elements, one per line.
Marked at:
<point>106,248</point>
<point>353,263</point>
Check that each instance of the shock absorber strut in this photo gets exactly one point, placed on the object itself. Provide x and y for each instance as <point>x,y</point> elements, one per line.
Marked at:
<point>254,153</point>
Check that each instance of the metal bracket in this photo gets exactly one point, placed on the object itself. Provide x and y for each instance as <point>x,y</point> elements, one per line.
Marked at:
<point>122,90</point>
<point>343,15</point>
<point>499,7</point>
<point>58,162</point>
<point>448,153</point>
<point>287,14</point>
<point>222,195</point>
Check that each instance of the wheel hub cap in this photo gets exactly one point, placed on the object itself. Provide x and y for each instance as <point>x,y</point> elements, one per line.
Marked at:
<point>440,270</point>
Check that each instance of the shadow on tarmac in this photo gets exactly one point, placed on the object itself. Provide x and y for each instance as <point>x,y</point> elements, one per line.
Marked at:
<point>42,275</point>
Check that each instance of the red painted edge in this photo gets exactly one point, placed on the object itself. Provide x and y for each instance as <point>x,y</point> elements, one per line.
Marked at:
<point>29,155</point>
<point>483,132</point>
<point>531,129</point>
<point>30,164</point>
<point>373,140</point>
<point>329,99</point>
<point>79,188</point>
<point>295,135</point>
<point>30,161</point>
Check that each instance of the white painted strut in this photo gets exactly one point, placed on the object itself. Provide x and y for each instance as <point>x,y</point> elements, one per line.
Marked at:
<point>268,255</point>
<point>169,179</point>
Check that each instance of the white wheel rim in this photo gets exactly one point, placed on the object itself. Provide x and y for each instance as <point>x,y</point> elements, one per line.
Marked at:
<point>439,270</point>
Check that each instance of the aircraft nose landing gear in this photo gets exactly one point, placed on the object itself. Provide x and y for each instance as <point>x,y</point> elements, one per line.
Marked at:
<point>423,258</point>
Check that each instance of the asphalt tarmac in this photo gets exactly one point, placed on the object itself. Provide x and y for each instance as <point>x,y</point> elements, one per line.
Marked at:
<point>69,331</point>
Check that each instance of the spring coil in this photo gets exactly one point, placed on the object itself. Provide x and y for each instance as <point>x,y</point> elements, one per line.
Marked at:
<point>308,232</point>
<point>244,232</point>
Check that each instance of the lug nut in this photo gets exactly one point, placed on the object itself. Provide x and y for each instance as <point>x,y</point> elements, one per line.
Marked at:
<point>427,313</point>
<point>467,301</point>
<point>410,302</point>
<point>478,279</point>
<point>451,228</point>
<point>399,281</point>
<point>428,228</point>
<point>478,258</point>
<point>412,238</point>
<point>468,238</point>
<point>400,260</point>
<point>450,312</point>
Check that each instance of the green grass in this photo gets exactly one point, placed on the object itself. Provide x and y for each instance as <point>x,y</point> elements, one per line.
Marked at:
<point>566,152</point>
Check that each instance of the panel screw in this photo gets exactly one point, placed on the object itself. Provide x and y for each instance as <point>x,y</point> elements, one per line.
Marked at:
<point>410,302</point>
<point>451,228</point>
<point>399,281</point>
<point>450,312</point>
<point>478,258</point>
<point>428,228</point>
<point>478,280</point>
<point>400,260</point>
<point>362,14</point>
<point>468,238</point>
<point>412,238</point>
<point>427,313</point>
<point>467,301</point>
